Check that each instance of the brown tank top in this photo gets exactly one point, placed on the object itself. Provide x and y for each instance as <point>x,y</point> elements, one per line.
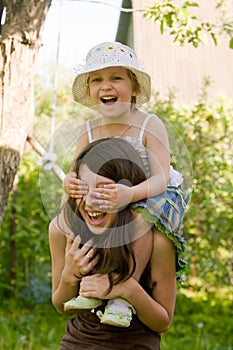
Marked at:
<point>86,332</point>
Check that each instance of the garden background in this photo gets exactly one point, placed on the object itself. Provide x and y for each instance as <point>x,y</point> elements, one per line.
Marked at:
<point>203,317</point>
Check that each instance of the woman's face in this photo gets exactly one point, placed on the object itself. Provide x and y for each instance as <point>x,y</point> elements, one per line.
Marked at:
<point>96,220</point>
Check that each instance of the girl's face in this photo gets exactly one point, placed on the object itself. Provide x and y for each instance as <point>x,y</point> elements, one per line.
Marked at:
<point>109,86</point>
<point>97,221</point>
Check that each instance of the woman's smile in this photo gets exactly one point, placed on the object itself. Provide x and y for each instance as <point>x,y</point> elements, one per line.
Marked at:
<point>96,218</point>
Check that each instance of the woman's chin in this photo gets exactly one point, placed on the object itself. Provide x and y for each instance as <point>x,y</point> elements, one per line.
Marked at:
<point>96,230</point>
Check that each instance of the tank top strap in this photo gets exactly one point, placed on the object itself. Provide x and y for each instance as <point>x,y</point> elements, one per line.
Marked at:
<point>143,127</point>
<point>89,131</point>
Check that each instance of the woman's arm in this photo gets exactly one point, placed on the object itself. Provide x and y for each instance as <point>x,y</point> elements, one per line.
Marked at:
<point>69,264</point>
<point>157,311</point>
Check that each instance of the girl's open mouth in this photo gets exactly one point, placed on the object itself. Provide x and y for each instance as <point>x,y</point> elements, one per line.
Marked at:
<point>108,99</point>
<point>96,218</point>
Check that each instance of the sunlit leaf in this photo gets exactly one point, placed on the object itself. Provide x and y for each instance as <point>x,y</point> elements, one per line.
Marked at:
<point>231,43</point>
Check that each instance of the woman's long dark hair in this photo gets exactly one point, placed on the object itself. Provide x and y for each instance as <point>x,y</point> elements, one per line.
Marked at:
<point>116,159</point>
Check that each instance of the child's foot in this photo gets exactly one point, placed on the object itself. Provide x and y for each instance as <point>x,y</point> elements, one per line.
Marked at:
<point>118,312</point>
<point>82,303</point>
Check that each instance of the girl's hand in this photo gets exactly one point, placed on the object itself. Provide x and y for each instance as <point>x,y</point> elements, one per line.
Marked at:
<point>97,286</point>
<point>78,261</point>
<point>74,187</point>
<point>112,196</point>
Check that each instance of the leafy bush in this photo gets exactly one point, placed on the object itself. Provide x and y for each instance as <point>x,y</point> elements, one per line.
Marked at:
<point>200,325</point>
<point>201,143</point>
<point>197,325</point>
<point>24,251</point>
<point>207,132</point>
<point>30,328</point>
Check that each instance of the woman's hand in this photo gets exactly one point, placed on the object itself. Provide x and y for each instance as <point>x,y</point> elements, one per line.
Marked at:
<point>74,187</point>
<point>97,286</point>
<point>78,261</point>
<point>112,196</point>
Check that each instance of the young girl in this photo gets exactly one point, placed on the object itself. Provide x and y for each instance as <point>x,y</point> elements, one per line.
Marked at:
<point>113,83</point>
<point>107,272</point>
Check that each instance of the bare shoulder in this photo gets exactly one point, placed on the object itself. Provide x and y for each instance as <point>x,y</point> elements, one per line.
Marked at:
<point>152,121</point>
<point>155,122</point>
<point>163,252</point>
<point>57,242</point>
<point>83,139</point>
<point>55,232</point>
<point>162,243</point>
<point>155,131</point>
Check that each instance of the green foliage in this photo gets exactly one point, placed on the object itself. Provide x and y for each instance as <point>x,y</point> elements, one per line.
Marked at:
<point>28,243</point>
<point>197,325</point>
<point>200,325</point>
<point>186,27</point>
<point>231,43</point>
<point>44,99</point>
<point>207,131</point>
<point>201,139</point>
<point>27,328</point>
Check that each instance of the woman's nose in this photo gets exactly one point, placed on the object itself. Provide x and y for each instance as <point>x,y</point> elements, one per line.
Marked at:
<point>88,199</point>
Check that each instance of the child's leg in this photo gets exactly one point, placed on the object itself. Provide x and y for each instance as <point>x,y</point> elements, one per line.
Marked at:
<point>81,303</point>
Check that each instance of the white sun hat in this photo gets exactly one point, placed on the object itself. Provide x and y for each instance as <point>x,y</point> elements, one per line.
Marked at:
<point>110,54</point>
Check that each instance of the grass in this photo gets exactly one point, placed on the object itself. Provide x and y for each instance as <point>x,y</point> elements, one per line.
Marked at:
<point>197,325</point>
<point>30,328</point>
<point>200,325</point>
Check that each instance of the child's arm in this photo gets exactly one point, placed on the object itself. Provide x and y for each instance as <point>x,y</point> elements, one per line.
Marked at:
<point>74,187</point>
<point>157,144</point>
<point>156,141</point>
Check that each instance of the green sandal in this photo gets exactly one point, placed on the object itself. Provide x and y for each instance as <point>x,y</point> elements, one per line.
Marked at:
<point>82,303</point>
<point>118,312</point>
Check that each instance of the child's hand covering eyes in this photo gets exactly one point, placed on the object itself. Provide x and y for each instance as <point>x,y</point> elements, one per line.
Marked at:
<point>112,196</point>
<point>74,187</point>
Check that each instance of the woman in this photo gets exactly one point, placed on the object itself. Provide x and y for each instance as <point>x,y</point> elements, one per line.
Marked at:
<point>99,261</point>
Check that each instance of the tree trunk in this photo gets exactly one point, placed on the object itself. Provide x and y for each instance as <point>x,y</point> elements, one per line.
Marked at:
<point>20,43</point>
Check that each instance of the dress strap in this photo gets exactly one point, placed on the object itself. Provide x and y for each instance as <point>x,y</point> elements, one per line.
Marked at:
<point>143,127</point>
<point>89,131</point>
